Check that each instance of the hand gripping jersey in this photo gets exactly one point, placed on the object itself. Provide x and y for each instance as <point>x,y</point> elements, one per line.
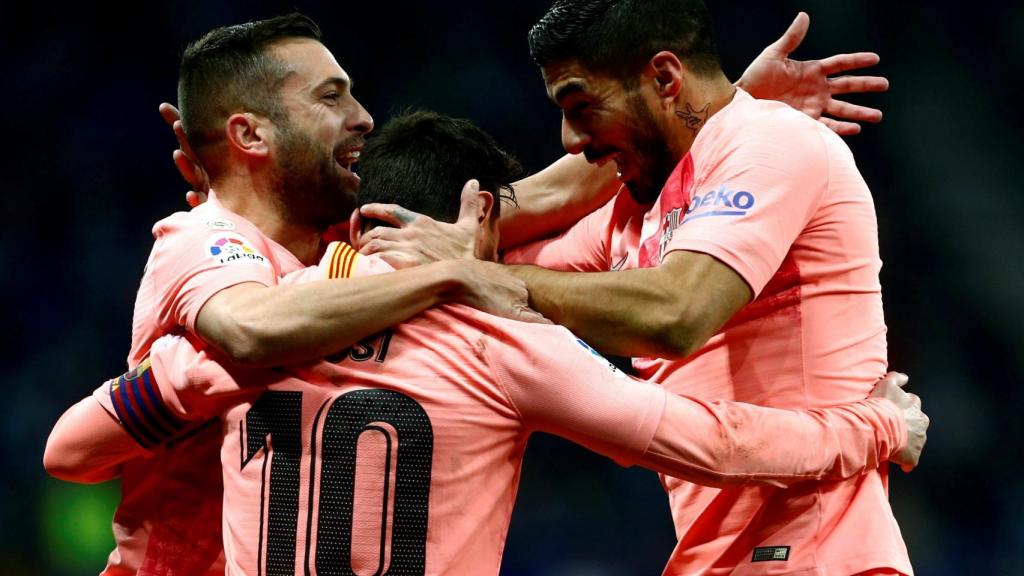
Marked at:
<point>402,454</point>
<point>778,198</point>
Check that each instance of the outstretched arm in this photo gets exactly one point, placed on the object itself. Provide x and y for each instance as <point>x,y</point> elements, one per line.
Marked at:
<point>714,443</point>
<point>810,86</point>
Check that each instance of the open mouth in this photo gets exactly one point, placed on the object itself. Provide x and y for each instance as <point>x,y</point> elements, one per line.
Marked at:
<point>348,159</point>
<point>603,159</point>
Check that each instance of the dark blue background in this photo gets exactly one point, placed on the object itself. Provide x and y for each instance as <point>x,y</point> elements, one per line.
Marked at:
<point>86,170</point>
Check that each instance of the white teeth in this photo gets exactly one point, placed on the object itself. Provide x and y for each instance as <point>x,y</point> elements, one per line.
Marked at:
<point>618,174</point>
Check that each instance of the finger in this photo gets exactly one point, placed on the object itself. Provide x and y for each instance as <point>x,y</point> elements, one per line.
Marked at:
<point>846,62</point>
<point>530,315</point>
<point>899,378</point>
<point>188,169</point>
<point>848,111</point>
<point>851,84</point>
<point>841,128</point>
<point>385,234</point>
<point>392,214</point>
<point>355,228</point>
<point>895,378</point>
<point>469,202</point>
<point>793,35</point>
<point>397,260</point>
<point>183,143</point>
<point>378,246</point>
<point>193,198</point>
<point>169,113</point>
<point>915,400</point>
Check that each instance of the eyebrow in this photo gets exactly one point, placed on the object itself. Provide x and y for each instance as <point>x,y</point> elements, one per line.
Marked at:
<point>338,81</point>
<point>567,89</point>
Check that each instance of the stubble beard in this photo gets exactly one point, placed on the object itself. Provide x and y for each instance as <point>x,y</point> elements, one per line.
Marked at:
<point>310,192</point>
<point>652,151</point>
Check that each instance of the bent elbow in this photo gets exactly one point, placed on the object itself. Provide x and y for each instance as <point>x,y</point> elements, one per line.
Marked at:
<point>245,352</point>
<point>242,342</point>
<point>677,338</point>
<point>60,463</point>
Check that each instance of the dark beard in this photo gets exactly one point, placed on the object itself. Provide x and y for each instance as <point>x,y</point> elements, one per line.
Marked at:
<point>310,191</point>
<point>652,149</point>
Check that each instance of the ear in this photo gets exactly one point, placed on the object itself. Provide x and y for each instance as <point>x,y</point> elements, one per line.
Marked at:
<point>666,70</point>
<point>475,205</point>
<point>248,134</point>
<point>355,228</point>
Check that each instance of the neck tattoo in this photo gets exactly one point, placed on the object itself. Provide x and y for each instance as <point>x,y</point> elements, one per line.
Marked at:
<point>694,118</point>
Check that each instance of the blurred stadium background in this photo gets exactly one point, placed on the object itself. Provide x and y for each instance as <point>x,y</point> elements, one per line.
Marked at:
<point>87,170</point>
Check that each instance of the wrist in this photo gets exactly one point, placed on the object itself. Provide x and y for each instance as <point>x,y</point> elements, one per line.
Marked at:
<point>451,280</point>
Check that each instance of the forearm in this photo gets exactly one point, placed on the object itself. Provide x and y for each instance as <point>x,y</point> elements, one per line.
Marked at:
<point>730,443</point>
<point>622,313</point>
<point>553,199</point>
<point>296,323</point>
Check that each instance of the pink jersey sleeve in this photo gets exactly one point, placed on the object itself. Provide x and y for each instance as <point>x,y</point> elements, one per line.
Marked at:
<point>172,391</point>
<point>561,386</point>
<point>725,443</point>
<point>192,261</point>
<point>339,261</point>
<point>137,400</point>
<point>749,206</point>
<point>582,248</point>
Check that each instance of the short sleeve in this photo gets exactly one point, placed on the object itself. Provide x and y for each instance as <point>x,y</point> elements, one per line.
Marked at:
<point>561,386</point>
<point>340,260</point>
<point>136,400</point>
<point>753,195</point>
<point>191,262</point>
<point>172,391</point>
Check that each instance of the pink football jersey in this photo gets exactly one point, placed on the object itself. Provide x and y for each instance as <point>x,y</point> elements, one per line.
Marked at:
<point>403,453</point>
<point>778,198</point>
<point>169,517</point>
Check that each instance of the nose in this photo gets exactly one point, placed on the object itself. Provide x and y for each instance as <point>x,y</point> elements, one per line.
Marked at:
<point>574,140</point>
<point>360,120</point>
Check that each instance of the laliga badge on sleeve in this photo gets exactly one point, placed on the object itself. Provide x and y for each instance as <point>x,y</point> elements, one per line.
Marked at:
<point>231,248</point>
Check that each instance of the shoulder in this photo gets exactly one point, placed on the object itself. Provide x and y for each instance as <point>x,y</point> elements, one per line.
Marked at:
<point>209,233</point>
<point>761,125</point>
<point>205,219</point>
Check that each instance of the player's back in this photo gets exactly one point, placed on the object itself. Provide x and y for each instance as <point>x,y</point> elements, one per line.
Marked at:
<point>400,455</point>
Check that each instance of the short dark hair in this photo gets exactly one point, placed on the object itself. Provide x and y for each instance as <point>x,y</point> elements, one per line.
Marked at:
<point>421,160</point>
<point>617,37</point>
<point>229,70</point>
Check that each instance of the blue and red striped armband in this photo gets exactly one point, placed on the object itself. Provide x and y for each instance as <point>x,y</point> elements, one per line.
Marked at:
<point>140,408</point>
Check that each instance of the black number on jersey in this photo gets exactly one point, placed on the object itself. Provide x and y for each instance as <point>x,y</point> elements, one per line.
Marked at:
<point>375,347</point>
<point>277,415</point>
